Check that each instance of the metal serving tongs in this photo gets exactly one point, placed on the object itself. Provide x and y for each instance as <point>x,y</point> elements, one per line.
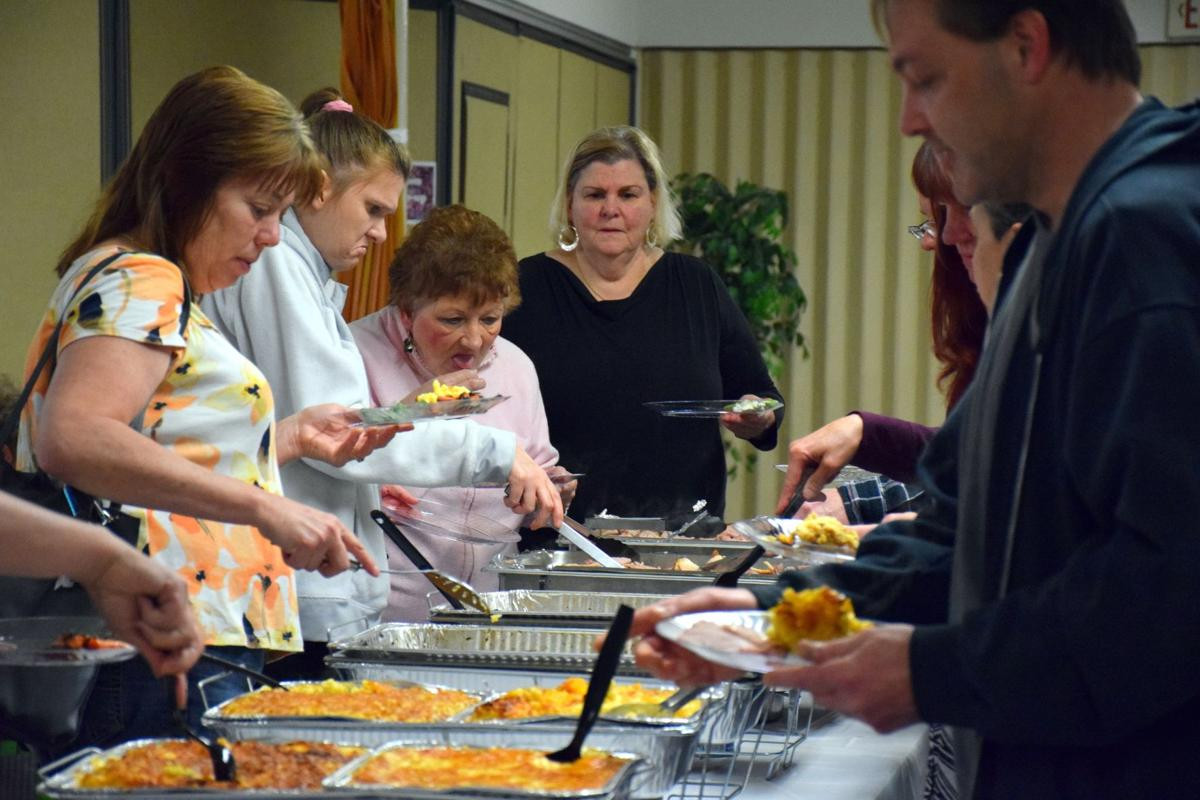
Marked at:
<point>456,592</point>
<point>224,767</point>
<point>602,675</point>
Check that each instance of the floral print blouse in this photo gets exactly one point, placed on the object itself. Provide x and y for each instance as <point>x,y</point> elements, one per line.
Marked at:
<point>215,409</point>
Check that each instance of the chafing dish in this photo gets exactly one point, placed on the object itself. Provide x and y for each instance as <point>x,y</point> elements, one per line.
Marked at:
<point>485,645</point>
<point>574,572</point>
<point>559,609</point>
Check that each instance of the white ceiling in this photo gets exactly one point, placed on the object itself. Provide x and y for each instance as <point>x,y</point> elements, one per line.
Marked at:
<point>760,23</point>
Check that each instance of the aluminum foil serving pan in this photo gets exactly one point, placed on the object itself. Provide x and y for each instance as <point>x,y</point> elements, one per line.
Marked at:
<point>576,572</point>
<point>236,727</point>
<point>65,780</point>
<point>496,646</point>
<point>524,607</point>
<point>621,785</point>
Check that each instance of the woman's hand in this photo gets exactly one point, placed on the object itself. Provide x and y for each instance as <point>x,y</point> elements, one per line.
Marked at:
<point>530,490</point>
<point>817,457</point>
<point>463,377</point>
<point>147,605</point>
<point>670,661</point>
<point>396,498</point>
<point>748,425</point>
<point>566,491</point>
<point>311,539</point>
<point>327,433</point>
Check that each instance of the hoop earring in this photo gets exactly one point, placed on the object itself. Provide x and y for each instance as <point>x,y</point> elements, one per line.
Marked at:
<point>563,244</point>
<point>408,344</point>
<point>651,238</point>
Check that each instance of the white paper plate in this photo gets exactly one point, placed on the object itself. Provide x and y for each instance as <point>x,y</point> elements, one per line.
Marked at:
<point>722,647</point>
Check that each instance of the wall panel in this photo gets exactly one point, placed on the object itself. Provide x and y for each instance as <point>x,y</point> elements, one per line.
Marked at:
<point>536,160</point>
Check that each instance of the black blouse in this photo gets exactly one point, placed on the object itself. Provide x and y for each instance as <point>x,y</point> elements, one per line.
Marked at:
<point>679,336</point>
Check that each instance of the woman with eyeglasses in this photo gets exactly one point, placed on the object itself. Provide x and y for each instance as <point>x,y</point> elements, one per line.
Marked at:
<point>888,445</point>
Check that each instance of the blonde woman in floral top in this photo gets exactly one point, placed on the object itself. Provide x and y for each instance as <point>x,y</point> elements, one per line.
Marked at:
<point>150,406</point>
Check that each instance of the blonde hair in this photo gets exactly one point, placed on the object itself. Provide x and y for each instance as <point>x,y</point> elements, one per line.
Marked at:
<point>213,126</point>
<point>610,145</point>
<point>352,143</point>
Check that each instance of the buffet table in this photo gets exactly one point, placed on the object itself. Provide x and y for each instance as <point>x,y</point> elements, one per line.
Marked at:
<point>845,760</point>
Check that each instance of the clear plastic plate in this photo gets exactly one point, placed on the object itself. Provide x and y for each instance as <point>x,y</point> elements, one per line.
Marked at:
<point>709,634</point>
<point>401,413</point>
<point>707,409</point>
<point>445,521</point>
<point>765,531</point>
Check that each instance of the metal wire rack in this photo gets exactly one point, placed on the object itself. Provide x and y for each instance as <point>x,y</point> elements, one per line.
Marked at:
<point>769,729</point>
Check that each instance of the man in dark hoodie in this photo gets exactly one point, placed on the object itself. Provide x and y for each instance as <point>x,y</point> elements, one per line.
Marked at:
<point>1056,582</point>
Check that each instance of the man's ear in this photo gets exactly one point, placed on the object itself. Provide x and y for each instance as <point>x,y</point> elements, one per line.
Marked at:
<point>326,191</point>
<point>1030,38</point>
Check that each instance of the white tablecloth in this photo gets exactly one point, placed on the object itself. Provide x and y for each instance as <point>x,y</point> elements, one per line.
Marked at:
<point>846,760</point>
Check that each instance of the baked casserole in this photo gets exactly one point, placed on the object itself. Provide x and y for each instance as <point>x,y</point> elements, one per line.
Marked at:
<point>566,700</point>
<point>814,614</point>
<point>177,763</point>
<point>372,700</point>
<point>489,768</point>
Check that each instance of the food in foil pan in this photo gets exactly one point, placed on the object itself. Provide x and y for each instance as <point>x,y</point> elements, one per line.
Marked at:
<point>367,699</point>
<point>488,769</point>
<point>566,700</point>
<point>178,763</point>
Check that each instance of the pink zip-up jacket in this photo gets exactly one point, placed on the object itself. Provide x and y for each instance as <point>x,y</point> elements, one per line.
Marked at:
<point>392,374</point>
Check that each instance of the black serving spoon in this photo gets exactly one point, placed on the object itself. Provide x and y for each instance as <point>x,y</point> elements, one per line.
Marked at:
<point>224,767</point>
<point>729,579</point>
<point>414,555</point>
<point>602,675</point>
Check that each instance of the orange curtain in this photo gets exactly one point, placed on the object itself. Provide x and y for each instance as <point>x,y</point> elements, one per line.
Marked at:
<point>369,84</point>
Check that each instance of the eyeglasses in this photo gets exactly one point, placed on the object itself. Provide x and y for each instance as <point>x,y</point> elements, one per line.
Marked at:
<point>926,228</point>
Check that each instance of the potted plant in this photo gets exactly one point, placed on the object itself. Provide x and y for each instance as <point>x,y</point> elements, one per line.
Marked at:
<point>739,235</point>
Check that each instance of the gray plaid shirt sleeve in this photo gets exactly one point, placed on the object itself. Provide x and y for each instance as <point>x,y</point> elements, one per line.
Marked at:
<point>866,501</point>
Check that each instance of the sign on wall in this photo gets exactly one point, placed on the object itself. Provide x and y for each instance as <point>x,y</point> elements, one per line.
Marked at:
<point>1183,19</point>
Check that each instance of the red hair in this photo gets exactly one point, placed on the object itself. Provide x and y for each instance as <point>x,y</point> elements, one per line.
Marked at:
<point>959,317</point>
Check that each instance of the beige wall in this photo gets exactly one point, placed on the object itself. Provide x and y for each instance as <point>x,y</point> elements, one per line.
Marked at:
<point>49,57</point>
<point>291,45</point>
<point>821,125</point>
<point>51,162</point>
<point>555,97</point>
<point>422,85</point>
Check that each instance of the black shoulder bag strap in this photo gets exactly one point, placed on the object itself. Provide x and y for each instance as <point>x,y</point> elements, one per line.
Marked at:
<point>74,497</point>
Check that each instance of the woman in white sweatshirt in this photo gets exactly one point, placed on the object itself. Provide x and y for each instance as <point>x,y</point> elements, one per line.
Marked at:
<point>285,316</point>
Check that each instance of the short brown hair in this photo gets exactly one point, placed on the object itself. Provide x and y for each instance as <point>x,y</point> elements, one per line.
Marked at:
<point>455,252</point>
<point>1095,35</point>
<point>214,125</point>
<point>352,143</point>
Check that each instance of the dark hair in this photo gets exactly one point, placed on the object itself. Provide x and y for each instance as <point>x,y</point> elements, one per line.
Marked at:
<point>213,126</point>
<point>1002,216</point>
<point>454,251</point>
<point>351,142</point>
<point>959,318</point>
<point>1095,35</point>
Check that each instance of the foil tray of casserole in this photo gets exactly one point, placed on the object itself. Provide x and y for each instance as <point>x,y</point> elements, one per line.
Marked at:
<point>369,723</point>
<point>75,777</point>
<point>630,773</point>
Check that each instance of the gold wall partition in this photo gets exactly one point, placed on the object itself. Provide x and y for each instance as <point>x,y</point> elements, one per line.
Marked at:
<point>822,125</point>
